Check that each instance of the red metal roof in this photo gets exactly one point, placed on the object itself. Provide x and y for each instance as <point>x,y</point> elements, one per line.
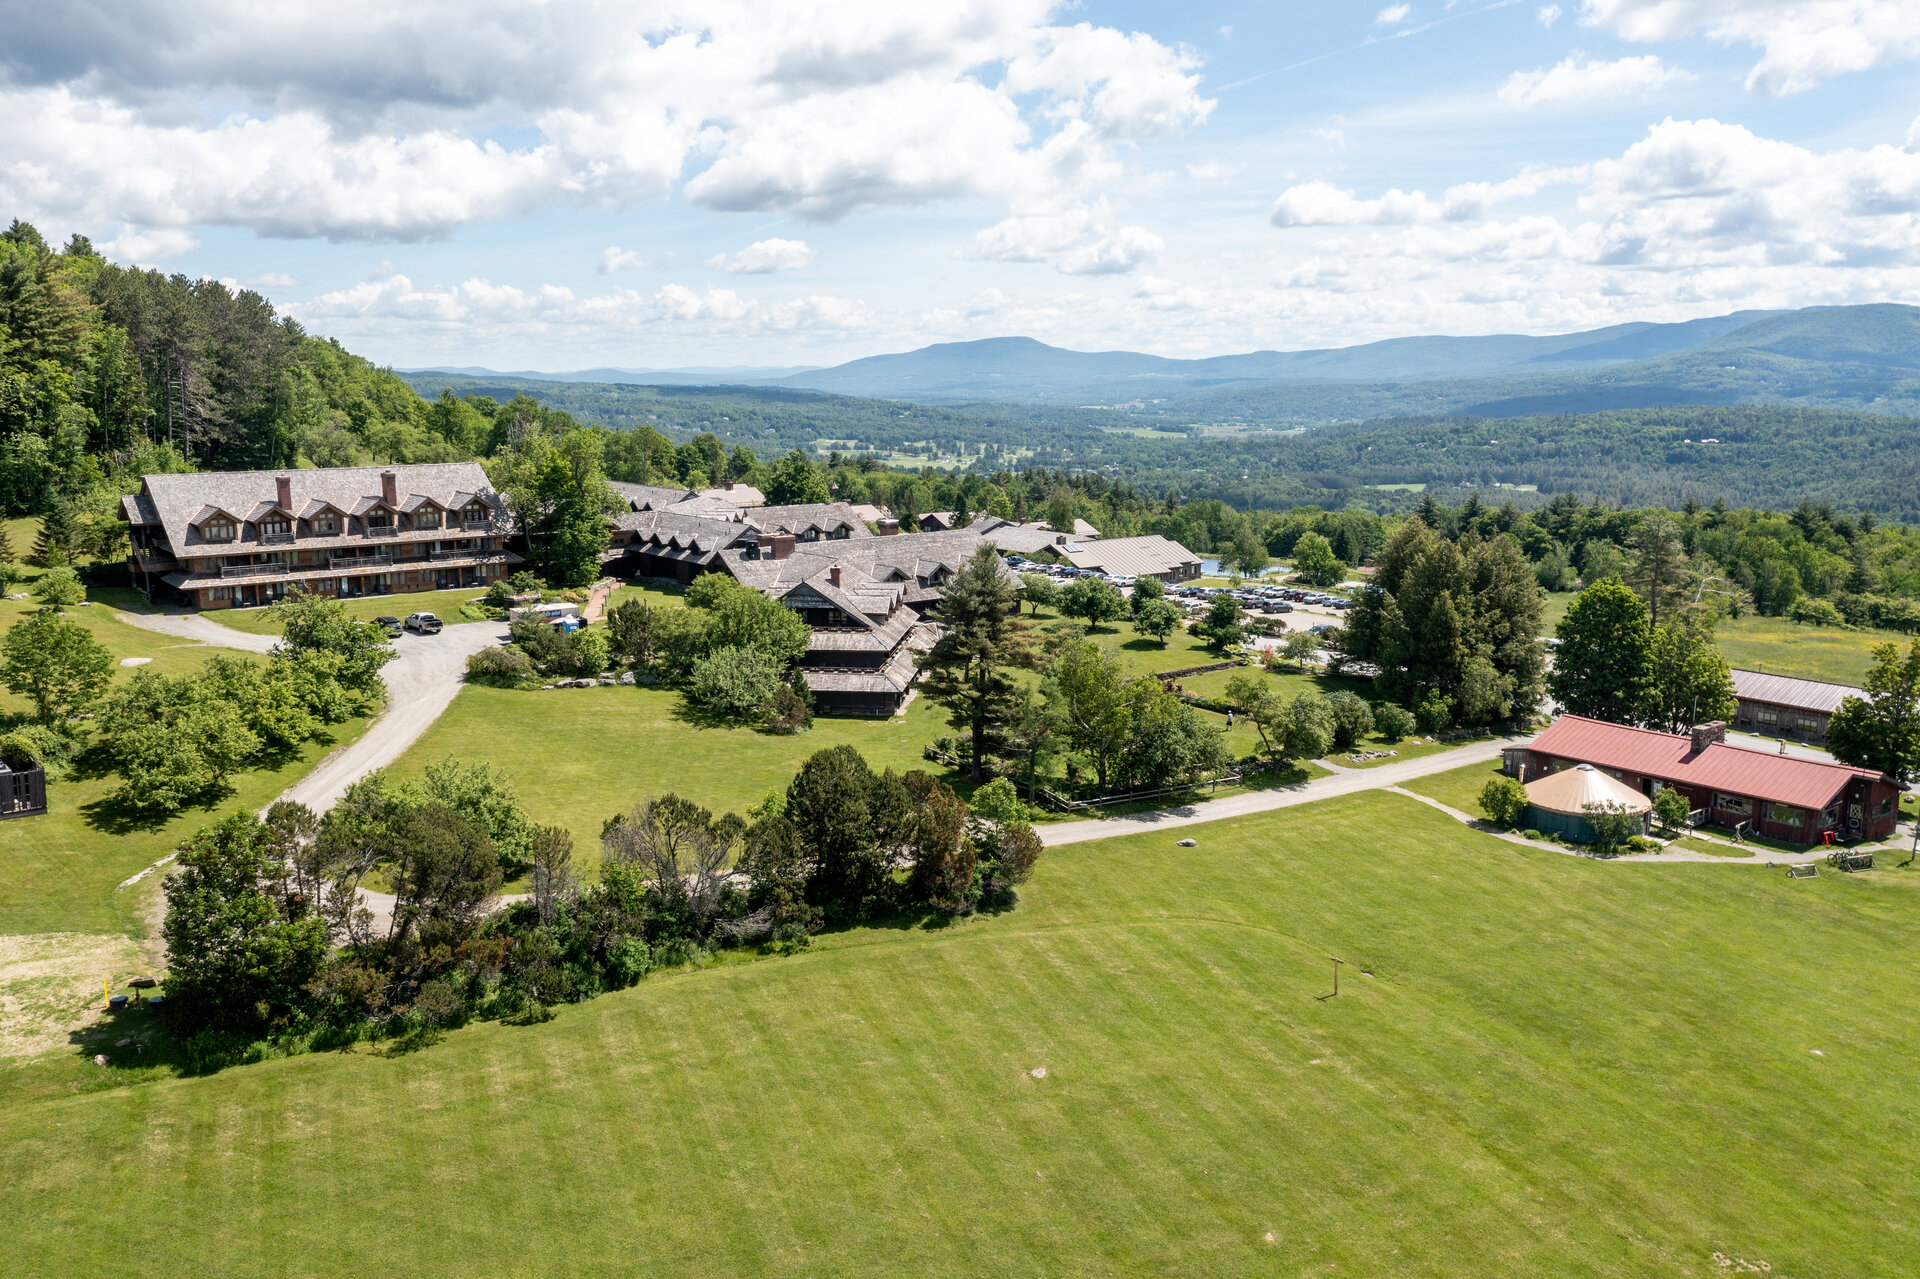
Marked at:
<point>1781,779</point>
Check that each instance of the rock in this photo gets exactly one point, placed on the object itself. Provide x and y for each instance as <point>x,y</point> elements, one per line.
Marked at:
<point>1188,843</point>
<point>99,1059</point>
<point>626,677</point>
<point>545,687</point>
<point>608,681</point>
<point>648,680</point>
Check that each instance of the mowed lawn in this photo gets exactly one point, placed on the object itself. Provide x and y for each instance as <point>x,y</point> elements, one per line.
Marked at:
<point>1536,1065</point>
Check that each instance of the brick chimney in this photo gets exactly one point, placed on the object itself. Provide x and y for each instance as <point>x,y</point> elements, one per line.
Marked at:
<point>1704,735</point>
<point>728,486</point>
<point>889,527</point>
<point>833,575</point>
<point>779,546</point>
<point>390,488</point>
<point>283,491</point>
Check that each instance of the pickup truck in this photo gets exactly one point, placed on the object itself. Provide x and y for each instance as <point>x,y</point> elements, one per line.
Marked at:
<point>423,623</point>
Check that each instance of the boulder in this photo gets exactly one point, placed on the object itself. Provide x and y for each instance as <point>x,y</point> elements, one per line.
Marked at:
<point>626,677</point>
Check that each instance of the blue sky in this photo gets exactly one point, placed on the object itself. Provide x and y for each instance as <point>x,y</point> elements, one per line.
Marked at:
<point>663,184</point>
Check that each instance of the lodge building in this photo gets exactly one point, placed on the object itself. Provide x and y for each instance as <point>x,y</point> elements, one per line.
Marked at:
<point>238,539</point>
<point>1783,797</point>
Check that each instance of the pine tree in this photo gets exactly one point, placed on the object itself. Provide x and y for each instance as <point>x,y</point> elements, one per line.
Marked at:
<point>51,548</point>
<point>969,670</point>
<point>6,547</point>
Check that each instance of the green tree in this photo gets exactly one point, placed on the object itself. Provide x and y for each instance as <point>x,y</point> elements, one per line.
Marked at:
<point>1688,679</point>
<point>1882,729</point>
<point>1221,626</point>
<point>1157,618</point>
<point>1613,824</point>
<point>58,588</point>
<point>846,818</point>
<point>1352,719</point>
<point>234,960</point>
<point>1672,808</point>
<point>935,844</point>
<point>317,634</point>
<point>1250,556</point>
<point>1601,667</point>
<point>171,743</point>
<point>55,543</point>
<point>1040,591</point>
<point>796,481</point>
<point>1092,599</point>
<point>558,493</point>
<point>735,683</point>
<point>969,669</point>
<point>1393,722</point>
<point>56,663</point>
<point>631,631</point>
<point>1315,563</point>
<point>1503,800</point>
<point>1087,690</point>
<point>1659,564</point>
<point>738,616</point>
<point>1145,591</point>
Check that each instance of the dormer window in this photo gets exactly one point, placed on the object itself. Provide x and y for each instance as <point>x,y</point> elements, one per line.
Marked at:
<point>218,529</point>
<point>326,524</point>
<point>475,513</point>
<point>426,517</point>
<point>379,518</point>
<point>275,526</point>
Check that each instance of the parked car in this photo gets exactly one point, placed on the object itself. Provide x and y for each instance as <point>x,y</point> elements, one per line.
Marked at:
<point>423,623</point>
<point>391,625</point>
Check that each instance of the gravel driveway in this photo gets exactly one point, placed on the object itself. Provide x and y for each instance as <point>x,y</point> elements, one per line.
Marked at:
<point>422,682</point>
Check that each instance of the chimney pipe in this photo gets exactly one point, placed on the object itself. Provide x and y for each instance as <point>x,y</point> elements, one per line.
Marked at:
<point>390,488</point>
<point>833,575</point>
<point>283,491</point>
<point>889,527</point>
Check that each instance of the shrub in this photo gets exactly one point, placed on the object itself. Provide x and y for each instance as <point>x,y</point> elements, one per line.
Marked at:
<point>1531,833</point>
<point>1352,719</point>
<point>735,683</point>
<point>1503,799</point>
<point>592,652</point>
<point>788,712</point>
<point>1671,808</point>
<point>499,666</point>
<point>1641,844</point>
<point>628,960</point>
<point>61,586</point>
<point>1435,713</point>
<point>1392,722</point>
<point>1816,612</point>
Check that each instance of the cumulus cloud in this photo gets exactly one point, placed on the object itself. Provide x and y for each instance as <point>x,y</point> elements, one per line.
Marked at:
<point>1697,215</point>
<point>1548,15</point>
<point>1576,79</point>
<point>1802,42</point>
<point>149,248</point>
<point>614,258</point>
<point>1212,170</point>
<point>375,121</point>
<point>764,257</point>
<point>1393,15</point>
<point>1080,239</point>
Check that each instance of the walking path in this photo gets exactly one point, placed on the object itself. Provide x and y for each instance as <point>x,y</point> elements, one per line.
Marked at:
<point>1345,781</point>
<point>422,681</point>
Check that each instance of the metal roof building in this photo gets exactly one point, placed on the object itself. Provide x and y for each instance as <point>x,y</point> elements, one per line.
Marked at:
<point>1788,707</point>
<point>1148,556</point>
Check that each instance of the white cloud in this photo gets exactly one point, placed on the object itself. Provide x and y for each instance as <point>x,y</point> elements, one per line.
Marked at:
<point>1332,137</point>
<point>1323,204</point>
<point>614,258</point>
<point>1393,15</point>
<point>1575,79</point>
<point>480,312</point>
<point>764,257</point>
<point>366,120</point>
<point>1548,15</point>
<point>1802,42</point>
<point>1913,135</point>
<point>1079,239</point>
<point>149,248</point>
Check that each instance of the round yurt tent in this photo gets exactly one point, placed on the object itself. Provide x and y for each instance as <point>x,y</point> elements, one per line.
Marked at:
<point>1558,802</point>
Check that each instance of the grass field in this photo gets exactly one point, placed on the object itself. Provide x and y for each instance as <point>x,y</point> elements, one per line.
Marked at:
<point>57,872</point>
<point>442,604</point>
<point>1781,647</point>
<point>1457,787</point>
<point>1537,1065</point>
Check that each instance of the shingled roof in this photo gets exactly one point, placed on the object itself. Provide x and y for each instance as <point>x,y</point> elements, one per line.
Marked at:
<point>1797,694</point>
<point>178,500</point>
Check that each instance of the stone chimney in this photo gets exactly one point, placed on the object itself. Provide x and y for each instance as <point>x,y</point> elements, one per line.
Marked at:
<point>833,575</point>
<point>779,546</point>
<point>1704,735</point>
<point>889,527</point>
<point>390,488</point>
<point>728,486</point>
<point>283,492</point>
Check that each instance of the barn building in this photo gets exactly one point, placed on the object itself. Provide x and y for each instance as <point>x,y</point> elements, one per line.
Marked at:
<point>1781,706</point>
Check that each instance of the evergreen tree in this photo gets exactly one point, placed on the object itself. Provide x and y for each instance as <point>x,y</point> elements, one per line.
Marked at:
<point>1659,566</point>
<point>55,542</point>
<point>969,669</point>
<point>1600,669</point>
<point>7,554</point>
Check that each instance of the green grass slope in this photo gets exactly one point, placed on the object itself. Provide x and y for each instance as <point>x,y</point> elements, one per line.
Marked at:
<point>1557,1067</point>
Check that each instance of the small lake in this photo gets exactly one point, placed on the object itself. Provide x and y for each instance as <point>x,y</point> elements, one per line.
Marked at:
<point>1211,568</point>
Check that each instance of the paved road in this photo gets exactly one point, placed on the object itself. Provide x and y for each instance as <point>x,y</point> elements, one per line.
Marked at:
<point>1345,782</point>
<point>422,682</point>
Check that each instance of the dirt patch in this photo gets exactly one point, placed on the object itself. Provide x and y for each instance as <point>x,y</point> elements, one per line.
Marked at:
<point>50,985</point>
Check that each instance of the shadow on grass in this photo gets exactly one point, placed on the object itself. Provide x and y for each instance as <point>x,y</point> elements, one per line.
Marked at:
<point>112,814</point>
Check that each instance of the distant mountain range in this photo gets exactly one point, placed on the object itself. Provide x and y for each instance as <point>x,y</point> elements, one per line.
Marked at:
<point>724,375</point>
<point>1856,357</point>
